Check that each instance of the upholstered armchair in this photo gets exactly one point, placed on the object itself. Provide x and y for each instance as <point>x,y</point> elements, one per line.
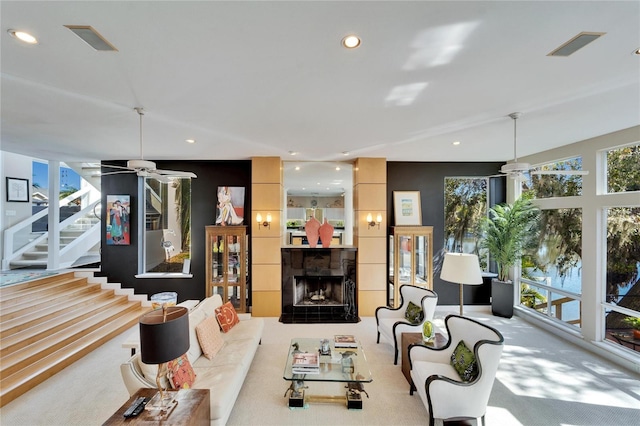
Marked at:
<point>392,322</point>
<point>438,379</point>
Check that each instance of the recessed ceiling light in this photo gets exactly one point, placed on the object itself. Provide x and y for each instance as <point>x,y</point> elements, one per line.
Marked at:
<point>297,167</point>
<point>456,143</point>
<point>637,52</point>
<point>293,153</point>
<point>338,168</point>
<point>23,36</point>
<point>345,152</point>
<point>190,140</point>
<point>351,41</point>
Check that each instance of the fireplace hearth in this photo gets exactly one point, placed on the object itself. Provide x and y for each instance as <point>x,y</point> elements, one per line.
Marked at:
<point>319,285</point>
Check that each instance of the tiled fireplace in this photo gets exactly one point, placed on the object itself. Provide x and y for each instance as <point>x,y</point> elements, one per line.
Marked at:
<point>319,285</point>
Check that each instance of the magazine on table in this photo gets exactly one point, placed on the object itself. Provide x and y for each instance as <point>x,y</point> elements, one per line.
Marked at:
<point>306,360</point>
<point>345,341</point>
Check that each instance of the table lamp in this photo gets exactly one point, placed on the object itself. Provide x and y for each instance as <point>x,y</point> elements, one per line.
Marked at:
<point>164,336</point>
<point>461,268</point>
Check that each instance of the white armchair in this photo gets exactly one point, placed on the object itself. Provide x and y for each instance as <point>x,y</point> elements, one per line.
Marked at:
<point>443,392</point>
<point>391,322</point>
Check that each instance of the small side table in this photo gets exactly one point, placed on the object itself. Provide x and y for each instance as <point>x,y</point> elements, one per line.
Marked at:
<point>416,338</point>
<point>193,409</point>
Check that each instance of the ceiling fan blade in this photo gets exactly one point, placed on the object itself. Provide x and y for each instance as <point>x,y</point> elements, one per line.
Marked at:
<point>118,172</point>
<point>115,167</point>
<point>159,177</point>
<point>175,173</point>
<point>560,172</point>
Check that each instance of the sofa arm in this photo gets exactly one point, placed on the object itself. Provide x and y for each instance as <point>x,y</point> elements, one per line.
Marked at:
<point>425,353</point>
<point>133,377</point>
<point>244,316</point>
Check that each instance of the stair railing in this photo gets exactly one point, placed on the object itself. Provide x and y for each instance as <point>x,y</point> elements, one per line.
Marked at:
<point>23,229</point>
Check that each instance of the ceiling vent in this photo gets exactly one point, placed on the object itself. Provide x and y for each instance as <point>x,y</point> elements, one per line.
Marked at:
<point>578,42</point>
<point>90,36</point>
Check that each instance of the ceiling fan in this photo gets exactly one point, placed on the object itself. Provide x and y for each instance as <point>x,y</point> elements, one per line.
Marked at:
<point>145,168</point>
<point>516,170</point>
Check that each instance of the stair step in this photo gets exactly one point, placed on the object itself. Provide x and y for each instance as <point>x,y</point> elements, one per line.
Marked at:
<point>50,297</point>
<point>16,325</point>
<point>16,384</point>
<point>23,357</point>
<point>69,321</point>
<point>30,335</point>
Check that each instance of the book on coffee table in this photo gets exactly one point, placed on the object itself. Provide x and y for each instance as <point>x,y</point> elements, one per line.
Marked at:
<point>345,341</point>
<point>306,363</point>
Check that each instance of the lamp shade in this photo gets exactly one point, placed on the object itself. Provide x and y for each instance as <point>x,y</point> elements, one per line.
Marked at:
<point>164,337</point>
<point>461,268</point>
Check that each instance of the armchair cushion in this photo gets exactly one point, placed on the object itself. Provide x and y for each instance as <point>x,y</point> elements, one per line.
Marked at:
<point>464,362</point>
<point>414,313</point>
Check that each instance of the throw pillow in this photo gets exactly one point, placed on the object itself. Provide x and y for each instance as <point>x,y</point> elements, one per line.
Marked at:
<point>209,337</point>
<point>227,317</point>
<point>181,374</point>
<point>414,313</point>
<point>464,361</point>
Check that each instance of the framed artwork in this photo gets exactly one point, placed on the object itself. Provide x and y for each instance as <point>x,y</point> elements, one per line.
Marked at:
<point>17,190</point>
<point>118,227</point>
<point>230,206</point>
<point>406,208</point>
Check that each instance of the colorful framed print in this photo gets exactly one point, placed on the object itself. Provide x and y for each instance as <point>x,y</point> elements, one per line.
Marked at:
<point>118,227</point>
<point>17,190</point>
<point>406,208</point>
<point>230,206</point>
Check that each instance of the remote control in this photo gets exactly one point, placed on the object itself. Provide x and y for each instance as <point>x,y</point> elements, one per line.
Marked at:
<point>136,407</point>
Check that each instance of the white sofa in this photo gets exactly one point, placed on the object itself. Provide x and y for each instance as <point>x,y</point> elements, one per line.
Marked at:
<point>223,375</point>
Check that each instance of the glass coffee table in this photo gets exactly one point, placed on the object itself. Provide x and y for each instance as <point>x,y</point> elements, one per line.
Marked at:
<point>339,365</point>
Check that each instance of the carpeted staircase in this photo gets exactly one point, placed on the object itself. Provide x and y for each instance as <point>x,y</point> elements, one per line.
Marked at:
<point>49,323</point>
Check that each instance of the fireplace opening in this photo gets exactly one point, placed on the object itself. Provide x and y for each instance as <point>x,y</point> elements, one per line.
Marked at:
<point>323,291</point>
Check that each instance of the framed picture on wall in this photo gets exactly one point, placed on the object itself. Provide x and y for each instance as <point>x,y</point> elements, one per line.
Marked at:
<point>230,206</point>
<point>406,208</point>
<point>17,190</point>
<point>118,220</point>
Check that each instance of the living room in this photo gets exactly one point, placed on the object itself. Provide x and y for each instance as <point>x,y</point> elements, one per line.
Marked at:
<point>244,138</point>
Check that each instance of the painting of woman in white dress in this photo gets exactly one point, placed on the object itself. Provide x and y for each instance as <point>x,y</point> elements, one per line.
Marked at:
<point>230,207</point>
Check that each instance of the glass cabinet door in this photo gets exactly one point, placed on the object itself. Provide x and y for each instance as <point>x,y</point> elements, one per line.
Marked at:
<point>404,259</point>
<point>420,266</point>
<point>227,268</point>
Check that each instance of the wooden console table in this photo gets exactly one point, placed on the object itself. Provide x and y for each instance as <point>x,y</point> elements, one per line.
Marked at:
<point>193,409</point>
<point>416,338</point>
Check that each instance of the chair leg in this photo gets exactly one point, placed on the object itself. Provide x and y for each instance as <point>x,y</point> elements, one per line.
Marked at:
<point>378,341</point>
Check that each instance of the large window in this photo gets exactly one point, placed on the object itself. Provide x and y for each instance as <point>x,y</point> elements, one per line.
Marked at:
<point>465,203</point>
<point>623,169</point>
<point>167,236</point>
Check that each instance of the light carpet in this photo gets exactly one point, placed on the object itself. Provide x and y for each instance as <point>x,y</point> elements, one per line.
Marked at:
<point>542,380</point>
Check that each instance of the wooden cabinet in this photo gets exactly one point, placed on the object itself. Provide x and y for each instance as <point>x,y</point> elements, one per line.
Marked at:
<point>226,248</point>
<point>410,259</point>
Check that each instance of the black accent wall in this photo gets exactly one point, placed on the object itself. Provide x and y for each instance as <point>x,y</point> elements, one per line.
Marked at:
<point>120,263</point>
<point>428,178</point>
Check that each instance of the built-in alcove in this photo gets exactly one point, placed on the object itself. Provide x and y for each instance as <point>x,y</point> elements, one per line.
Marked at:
<point>319,285</point>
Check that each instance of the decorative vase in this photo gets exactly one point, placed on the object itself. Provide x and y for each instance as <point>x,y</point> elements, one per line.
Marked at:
<point>428,332</point>
<point>312,228</point>
<point>326,233</point>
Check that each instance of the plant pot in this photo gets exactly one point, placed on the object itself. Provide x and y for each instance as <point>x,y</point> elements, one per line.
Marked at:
<point>636,334</point>
<point>501,298</point>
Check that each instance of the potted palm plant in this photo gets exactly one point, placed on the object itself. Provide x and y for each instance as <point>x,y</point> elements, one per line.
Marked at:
<point>507,232</point>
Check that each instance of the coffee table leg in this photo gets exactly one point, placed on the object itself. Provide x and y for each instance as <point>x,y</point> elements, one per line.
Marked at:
<point>354,395</point>
<point>296,399</point>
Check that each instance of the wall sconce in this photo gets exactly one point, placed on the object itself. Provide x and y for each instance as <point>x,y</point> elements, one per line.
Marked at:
<point>371,223</point>
<point>266,223</point>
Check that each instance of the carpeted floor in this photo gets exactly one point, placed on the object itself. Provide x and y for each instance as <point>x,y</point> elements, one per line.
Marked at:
<point>542,380</point>
<point>15,277</point>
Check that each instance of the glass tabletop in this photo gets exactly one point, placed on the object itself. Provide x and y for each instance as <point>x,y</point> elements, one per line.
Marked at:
<point>339,365</point>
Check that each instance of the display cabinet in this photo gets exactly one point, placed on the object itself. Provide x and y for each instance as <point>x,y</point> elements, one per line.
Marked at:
<point>226,248</point>
<point>410,259</point>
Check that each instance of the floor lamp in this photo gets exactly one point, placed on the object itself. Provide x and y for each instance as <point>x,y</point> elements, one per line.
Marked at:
<point>461,268</point>
<point>164,336</point>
